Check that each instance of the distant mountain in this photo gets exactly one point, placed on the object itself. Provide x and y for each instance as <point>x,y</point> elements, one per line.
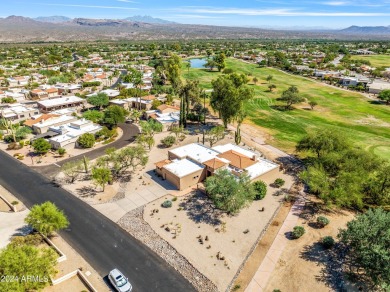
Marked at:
<point>52,19</point>
<point>107,22</point>
<point>148,19</point>
<point>18,19</point>
<point>373,30</point>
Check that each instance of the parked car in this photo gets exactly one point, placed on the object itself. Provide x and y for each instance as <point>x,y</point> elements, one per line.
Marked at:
<point>119,281</point>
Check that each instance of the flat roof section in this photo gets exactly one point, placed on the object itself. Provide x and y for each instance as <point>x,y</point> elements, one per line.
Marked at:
<point>182,167</point>
<point>196,152</point>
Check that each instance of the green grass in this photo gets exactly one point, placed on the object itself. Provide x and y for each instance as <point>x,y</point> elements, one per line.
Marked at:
<point>375,60</point>
<point>365,123</point>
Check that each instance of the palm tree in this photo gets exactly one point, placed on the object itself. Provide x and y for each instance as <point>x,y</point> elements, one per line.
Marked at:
<point>188,66</point>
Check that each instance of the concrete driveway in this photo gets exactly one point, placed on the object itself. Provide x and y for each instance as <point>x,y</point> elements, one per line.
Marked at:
<point>12,224</point>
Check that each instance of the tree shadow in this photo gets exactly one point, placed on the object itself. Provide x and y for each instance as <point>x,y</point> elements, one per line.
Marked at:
<point>86,191</point>
<point>201,209</point>
<point>23,231</point>
<point>280,108</point>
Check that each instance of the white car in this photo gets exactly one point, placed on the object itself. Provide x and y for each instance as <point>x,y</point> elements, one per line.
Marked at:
<point>120,282</point>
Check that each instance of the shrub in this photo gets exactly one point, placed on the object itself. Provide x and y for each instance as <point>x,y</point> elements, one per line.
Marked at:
<point>41,146</point>
<point>322,221</point>
<point>298,231</point>
<point>30,239</point>
<point>279,182</point>
<point>260,189</point>
<point>61,151</point>
<point>14,203</point>
<point>327,242</point>
<point>167,204</point>
<point>86,140</point>
<point>168,141</point>
<point>174,199</point>
<point>21,144</point>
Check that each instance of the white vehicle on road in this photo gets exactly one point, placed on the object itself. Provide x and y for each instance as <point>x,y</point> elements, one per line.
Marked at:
<point>120,282</point>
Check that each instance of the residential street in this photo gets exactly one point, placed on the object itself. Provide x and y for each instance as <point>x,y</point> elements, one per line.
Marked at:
<point>130,131</point>
<point>100,241</point>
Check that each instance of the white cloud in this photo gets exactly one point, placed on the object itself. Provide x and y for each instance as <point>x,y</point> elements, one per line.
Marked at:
<point>273,12</point>
<point>335,3</point>
<point>127,1</point>
<point>88,6</point>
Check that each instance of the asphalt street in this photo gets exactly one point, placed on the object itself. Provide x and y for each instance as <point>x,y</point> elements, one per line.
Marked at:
<point>99,240</point>
<point>130,132</point>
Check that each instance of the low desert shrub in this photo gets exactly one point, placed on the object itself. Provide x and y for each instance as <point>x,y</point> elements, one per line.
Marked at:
<point>298,231</point>
<point>167,204</point>
<point>279,182</point>
<point>322,221</point>
<point>168,141</point>
<point>327,242</point>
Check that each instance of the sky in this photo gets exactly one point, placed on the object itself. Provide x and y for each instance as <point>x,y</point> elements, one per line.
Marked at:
<point>248,13</point>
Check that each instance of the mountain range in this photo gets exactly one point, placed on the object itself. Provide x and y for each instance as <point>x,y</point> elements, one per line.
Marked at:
<point>63,29</point>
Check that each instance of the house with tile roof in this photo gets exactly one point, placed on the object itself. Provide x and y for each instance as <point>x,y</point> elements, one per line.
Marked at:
<point>193,163</point>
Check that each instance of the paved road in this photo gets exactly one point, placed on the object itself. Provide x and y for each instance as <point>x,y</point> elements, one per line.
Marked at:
<point>130,132</point>
<point>119,80</point>
<point>100,241</point>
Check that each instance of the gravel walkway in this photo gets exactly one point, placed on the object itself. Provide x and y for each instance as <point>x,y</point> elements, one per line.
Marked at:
<point>134,223</point>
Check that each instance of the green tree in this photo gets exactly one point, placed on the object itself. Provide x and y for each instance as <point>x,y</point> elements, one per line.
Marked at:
<point>228,96</point>
<point>72,170</point>
<point>269,78</point>
<point>20,261</point>
<point>47,218</point>
<point>260,188</point>
<point>215,134</point>
<point>229,193</point>
<point>41,146</point>
<point>271,87</point>
<point>291,96</point>
<point>189,95</point>
<point>100,100</point>
<point>322,142</point>
<point>312,104</point>
<point>367,239</point>
<point>86,140</point>
<point>114,115</point>
<point>220,62</point>
<point>101,176</point>
<point>385,95</point>
<point>93,115</point>
<point>255,80</point>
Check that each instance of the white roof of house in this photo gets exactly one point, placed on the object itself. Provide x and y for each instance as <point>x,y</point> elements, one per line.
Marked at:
<point>259,168</point>
<point>72,133</point>
<point>228,147</point>
<point>195,151</point>
<point>64,111</point>
<point>60,101</point>
<point>168,118</point>
<point>54,121</point>
<point>119,101</point>
<point>377,84</point>
<point>183,167</point>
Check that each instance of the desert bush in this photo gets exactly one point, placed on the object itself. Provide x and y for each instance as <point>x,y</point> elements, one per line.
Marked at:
<point>260,189</point>
<point>298,231</point>
<point>168,141</point>
<point>327,242</point>
<point>167,204</point>
<point>61,151</point>
<point>30,239</point>
<point>279,182</point>
<point>14,203</point>
<point>322,221</point>
<point>86,140</point>
<point>174,199</point>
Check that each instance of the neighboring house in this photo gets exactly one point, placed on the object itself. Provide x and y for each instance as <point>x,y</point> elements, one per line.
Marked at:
<point>43,125</point>
<point>167,115</point>
<point>111,93</point>
<point>60,103</point>
<point>191,164</point>
<point>18,112</point>
<point>377,86</point>
<point>68,134</point>
<point>38,94</point>
<point>39,118</point>
<point>18,81</point>
<point>324,74</point>
<point>52,92</point>
<point>67,88</point>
